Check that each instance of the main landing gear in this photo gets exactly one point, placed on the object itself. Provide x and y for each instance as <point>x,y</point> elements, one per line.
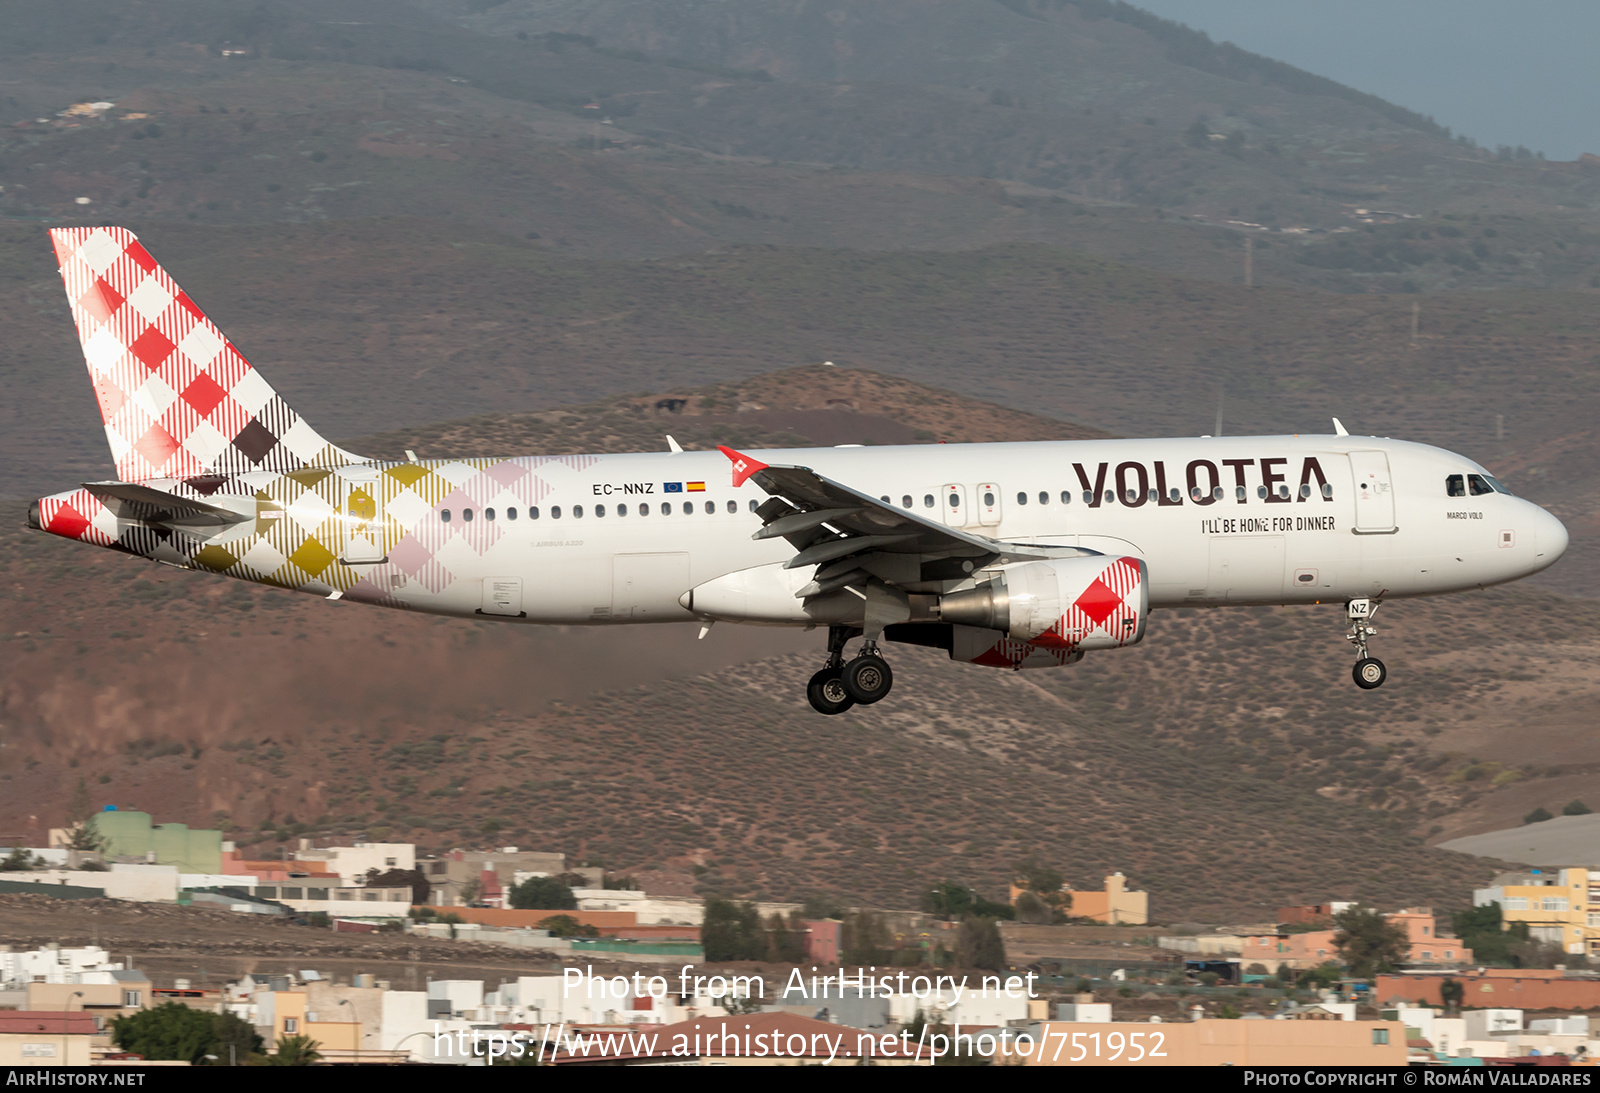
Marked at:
<point>840,685</point>
<point>1369,671</point>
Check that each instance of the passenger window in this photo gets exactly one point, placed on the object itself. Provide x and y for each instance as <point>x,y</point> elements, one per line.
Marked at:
<point>466,516</point>
<point>622,510</point>
<point>1238,492</point>
<point>511,513</point>
<point>1066,497</point>
<point>688,508</point>
<point>885,499</point>
<point>733,506</point>
<point>577,512</point>
<point>1477,486</point>
<point>988,499</point>
<point>1327,491</point>
<point>711,508</point>
<point>1133,495</point>
<point>488,514</point>
<point>955,500</point>
<point>1261,492</point>
<point>644,508</point>
<point>1044,498</point>
<point>1217,493</point>
<point>1175,495</point>
<point>1110,497</point>
<point>1154,496</point>
<point>1088,497</point>
<point>599,510</point>
<point>927,500</point>
<point>533,512</point>
<point>666,508</point>
<point>753,504</point>
<point>1195,493</point>
<point>1305,490</point>
<point>555,512</point>
<point>1455,486</point>
<point>444,516</point>
<point>905,502</point>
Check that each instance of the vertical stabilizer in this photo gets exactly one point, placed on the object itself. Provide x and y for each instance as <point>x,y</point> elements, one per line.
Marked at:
<point>177,399</point>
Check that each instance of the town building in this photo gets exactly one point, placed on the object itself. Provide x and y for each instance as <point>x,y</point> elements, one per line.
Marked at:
<point>1485,988</point>
<point>486,877</point>
<point>352,864</point>
<point>1308,949</point>
<point>1115,905</point>
<point>131,836</point>
<point>45,1038</point>
<point>1560,906</point>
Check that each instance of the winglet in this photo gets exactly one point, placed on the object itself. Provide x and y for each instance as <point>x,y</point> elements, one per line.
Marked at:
<point>1339,429</point>
<point>743,465</point>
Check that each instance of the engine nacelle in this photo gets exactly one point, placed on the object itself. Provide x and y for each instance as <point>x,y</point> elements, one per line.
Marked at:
<point>1050,612</point>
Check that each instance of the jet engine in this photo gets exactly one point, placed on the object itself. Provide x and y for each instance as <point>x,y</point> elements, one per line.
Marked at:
<point>1063,606</point>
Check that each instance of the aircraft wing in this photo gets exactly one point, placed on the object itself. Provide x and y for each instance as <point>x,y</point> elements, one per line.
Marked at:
<point>852,536</point>
<point>130,501</point>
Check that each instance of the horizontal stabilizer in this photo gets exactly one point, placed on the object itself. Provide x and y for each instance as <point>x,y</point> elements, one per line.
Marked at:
<point>132,502</point>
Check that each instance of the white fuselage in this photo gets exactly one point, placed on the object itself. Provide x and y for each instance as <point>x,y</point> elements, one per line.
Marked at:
<point>1300,519</point>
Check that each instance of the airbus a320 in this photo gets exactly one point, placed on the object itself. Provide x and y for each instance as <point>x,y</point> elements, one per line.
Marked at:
<point>1006,555</point>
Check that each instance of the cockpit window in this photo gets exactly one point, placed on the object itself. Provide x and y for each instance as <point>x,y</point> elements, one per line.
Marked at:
<point>1476,485</point>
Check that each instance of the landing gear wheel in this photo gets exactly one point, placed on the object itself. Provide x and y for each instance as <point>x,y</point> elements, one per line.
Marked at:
<point>1369,673</point>
<point>867,678</point>
<point>827,693</point>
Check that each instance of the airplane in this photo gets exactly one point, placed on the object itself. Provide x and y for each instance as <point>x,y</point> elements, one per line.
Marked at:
<point>1006,555</point>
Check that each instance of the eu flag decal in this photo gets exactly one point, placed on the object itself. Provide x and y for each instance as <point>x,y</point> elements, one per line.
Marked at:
<point>672,487</point>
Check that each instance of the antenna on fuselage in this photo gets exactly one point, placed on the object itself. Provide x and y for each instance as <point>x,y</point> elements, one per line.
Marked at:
<point>1339,429</point>
<point>673,446</point>
<point>1221,394</point>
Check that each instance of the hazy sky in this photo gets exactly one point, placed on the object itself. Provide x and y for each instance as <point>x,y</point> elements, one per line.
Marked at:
<point>1503,73</point>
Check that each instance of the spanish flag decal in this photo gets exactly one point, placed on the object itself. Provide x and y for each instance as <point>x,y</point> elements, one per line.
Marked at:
<point>696,487</point>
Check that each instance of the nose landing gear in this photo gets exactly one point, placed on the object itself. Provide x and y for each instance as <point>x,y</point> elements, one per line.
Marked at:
<point>1369,671</point>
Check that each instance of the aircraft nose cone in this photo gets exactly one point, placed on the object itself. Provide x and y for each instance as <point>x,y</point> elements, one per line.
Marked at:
<point>1549,538</point>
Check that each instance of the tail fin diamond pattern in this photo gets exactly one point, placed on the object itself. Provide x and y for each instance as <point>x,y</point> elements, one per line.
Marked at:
<point>177,399</point>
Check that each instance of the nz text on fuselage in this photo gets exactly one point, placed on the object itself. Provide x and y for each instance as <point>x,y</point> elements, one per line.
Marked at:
<point>1131,483</point>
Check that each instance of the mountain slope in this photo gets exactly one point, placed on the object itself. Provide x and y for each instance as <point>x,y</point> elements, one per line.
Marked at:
<point>629,130</point>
